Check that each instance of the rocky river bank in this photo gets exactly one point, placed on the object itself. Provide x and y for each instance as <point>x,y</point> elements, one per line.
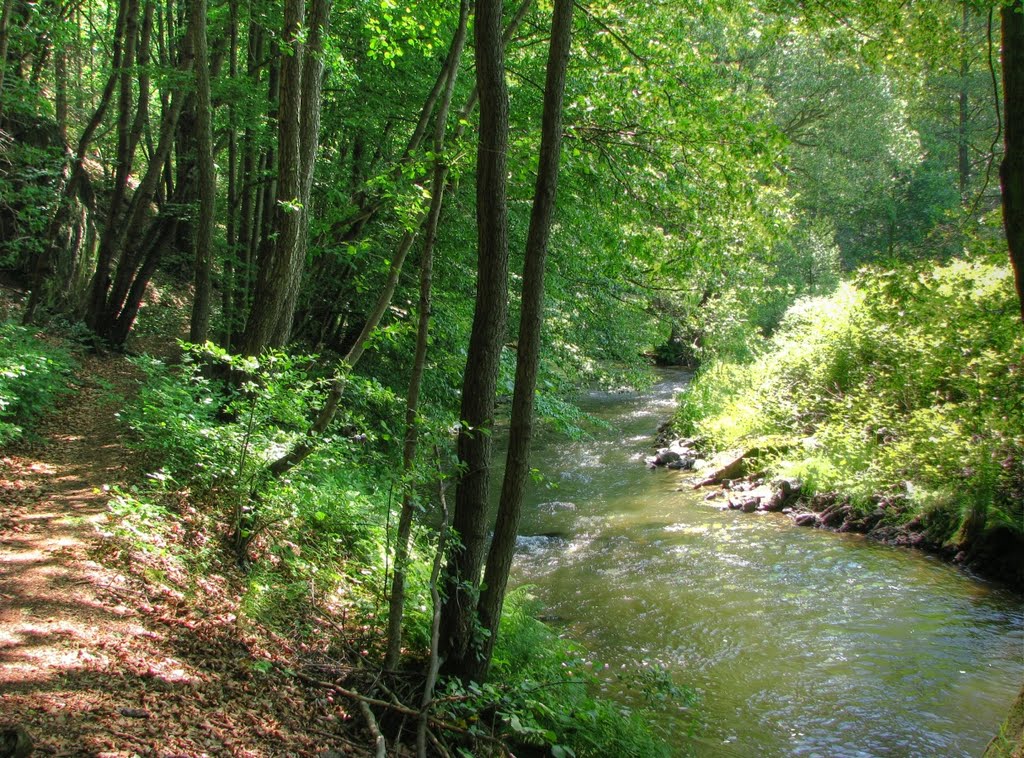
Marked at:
<point>738,480</point>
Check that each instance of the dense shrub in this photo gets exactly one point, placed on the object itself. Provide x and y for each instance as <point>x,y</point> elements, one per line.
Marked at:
<point>910,379</point>
<point>33,373</point>
<point>542,693</point>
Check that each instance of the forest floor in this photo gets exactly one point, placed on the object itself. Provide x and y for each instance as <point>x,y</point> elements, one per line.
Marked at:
<point>97,661</point>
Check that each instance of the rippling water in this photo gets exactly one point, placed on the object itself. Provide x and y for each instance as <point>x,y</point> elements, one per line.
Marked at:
<point>800,642</point>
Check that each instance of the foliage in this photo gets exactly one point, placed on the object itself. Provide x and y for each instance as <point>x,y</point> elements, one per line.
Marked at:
<point>903,379</point>
<point>541,693</point>
<point>28,179</point>
<point>33,373</point>
<point>320,532</point>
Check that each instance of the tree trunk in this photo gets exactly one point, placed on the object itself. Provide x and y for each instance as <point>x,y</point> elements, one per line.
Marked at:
<point>309,145</point>
<point>440,177</point>
<point>479,381</point>
<point>229,286</point>
<point>112,229</point>
<point>5,36</point>
<point>263,326</point>
<point>200,323</point>
<point>963,154</point>
<point>517,465</point>
<point>1012,170</point>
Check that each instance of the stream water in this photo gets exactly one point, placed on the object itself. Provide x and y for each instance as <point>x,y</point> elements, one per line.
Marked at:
<point>800,642</point>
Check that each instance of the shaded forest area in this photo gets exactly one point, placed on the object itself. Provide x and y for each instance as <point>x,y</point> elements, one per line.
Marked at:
<point>378,228</point>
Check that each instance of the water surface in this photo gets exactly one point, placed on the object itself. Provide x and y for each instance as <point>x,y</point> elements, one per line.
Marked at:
<point>800,642</point>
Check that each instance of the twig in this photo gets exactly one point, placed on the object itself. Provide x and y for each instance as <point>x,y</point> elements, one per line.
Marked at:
<point>438,745</point>
<point>371,723</point>
<point>403,709</point>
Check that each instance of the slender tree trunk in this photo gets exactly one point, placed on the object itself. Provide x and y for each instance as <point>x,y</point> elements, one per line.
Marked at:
<point>301,450</point>
<point>200,326</point>
<point>112,230</point>
<point>963,143</point>
<point>479,382</point>
<point>229,286</point>
<point>122,242</point>
<point>5,36</point>
<point>78,184</point>
<point>369,206</point>
<point>1012,170</point>
<point>517,466</point>
<point>434,664</point>
<point>60,85</point>
<point>439,179</point>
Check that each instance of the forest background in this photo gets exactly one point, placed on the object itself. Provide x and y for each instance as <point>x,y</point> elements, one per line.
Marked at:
<point>809,203</point>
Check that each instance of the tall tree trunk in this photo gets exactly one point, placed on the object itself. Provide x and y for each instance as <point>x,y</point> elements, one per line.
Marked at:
<point>112,230</point>
<point>134,226</point>
<point>77,188</point>
<point>262,328</point>
<point>229,291</point>
<point>1012,170</point>
<point>438,181</point>
<point>479,382</point>
<point>60,84</point>
<point>5,36</point>
<point>517,462</point>
<point>963,143</point>
<point>309,146</point>
<point>200,323</point>
<point>301,450</point>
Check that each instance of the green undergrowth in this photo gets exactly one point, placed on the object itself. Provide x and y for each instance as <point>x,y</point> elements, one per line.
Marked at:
<point>907,380</point>
<point>542,693</point>
<point>319,541</point>
<point>33,373</point>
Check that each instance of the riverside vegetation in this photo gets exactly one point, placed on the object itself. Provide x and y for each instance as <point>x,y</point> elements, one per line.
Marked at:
<point>385,227</point>
<point>900,394</point>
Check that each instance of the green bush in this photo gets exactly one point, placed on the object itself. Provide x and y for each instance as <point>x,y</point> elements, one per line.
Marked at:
<point>908,379</point>
<point>542,693</point>
<point>33,373</point>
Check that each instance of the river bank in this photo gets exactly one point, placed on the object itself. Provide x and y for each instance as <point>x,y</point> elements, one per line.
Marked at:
<point>736,480</point>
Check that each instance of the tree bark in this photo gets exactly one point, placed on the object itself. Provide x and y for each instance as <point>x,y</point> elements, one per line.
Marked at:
<point>517,465</point>
<point>309,145</point>
<point>479,382</point>
<point>5,36</point>
<point>1011,172</point>
<point>111,232</point>
<point>963,101</point>
<point>301,450</point>
<point>262,328</point>
<point>200,323</point>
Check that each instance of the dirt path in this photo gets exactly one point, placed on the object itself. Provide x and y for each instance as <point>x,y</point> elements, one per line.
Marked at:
<point>51,614</point>
<point>92,662</point>
<point>58,625</point>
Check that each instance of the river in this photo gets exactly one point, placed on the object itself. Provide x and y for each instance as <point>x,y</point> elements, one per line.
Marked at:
<point>799,642</point>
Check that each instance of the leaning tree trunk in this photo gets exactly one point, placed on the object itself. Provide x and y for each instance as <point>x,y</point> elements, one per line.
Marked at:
<point>1011,172</point>
<point>479,382</point>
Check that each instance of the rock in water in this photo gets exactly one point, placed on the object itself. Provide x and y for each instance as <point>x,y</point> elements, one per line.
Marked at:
<point>666,456</point>
<point>806,519</point>
<point>14,742</point>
